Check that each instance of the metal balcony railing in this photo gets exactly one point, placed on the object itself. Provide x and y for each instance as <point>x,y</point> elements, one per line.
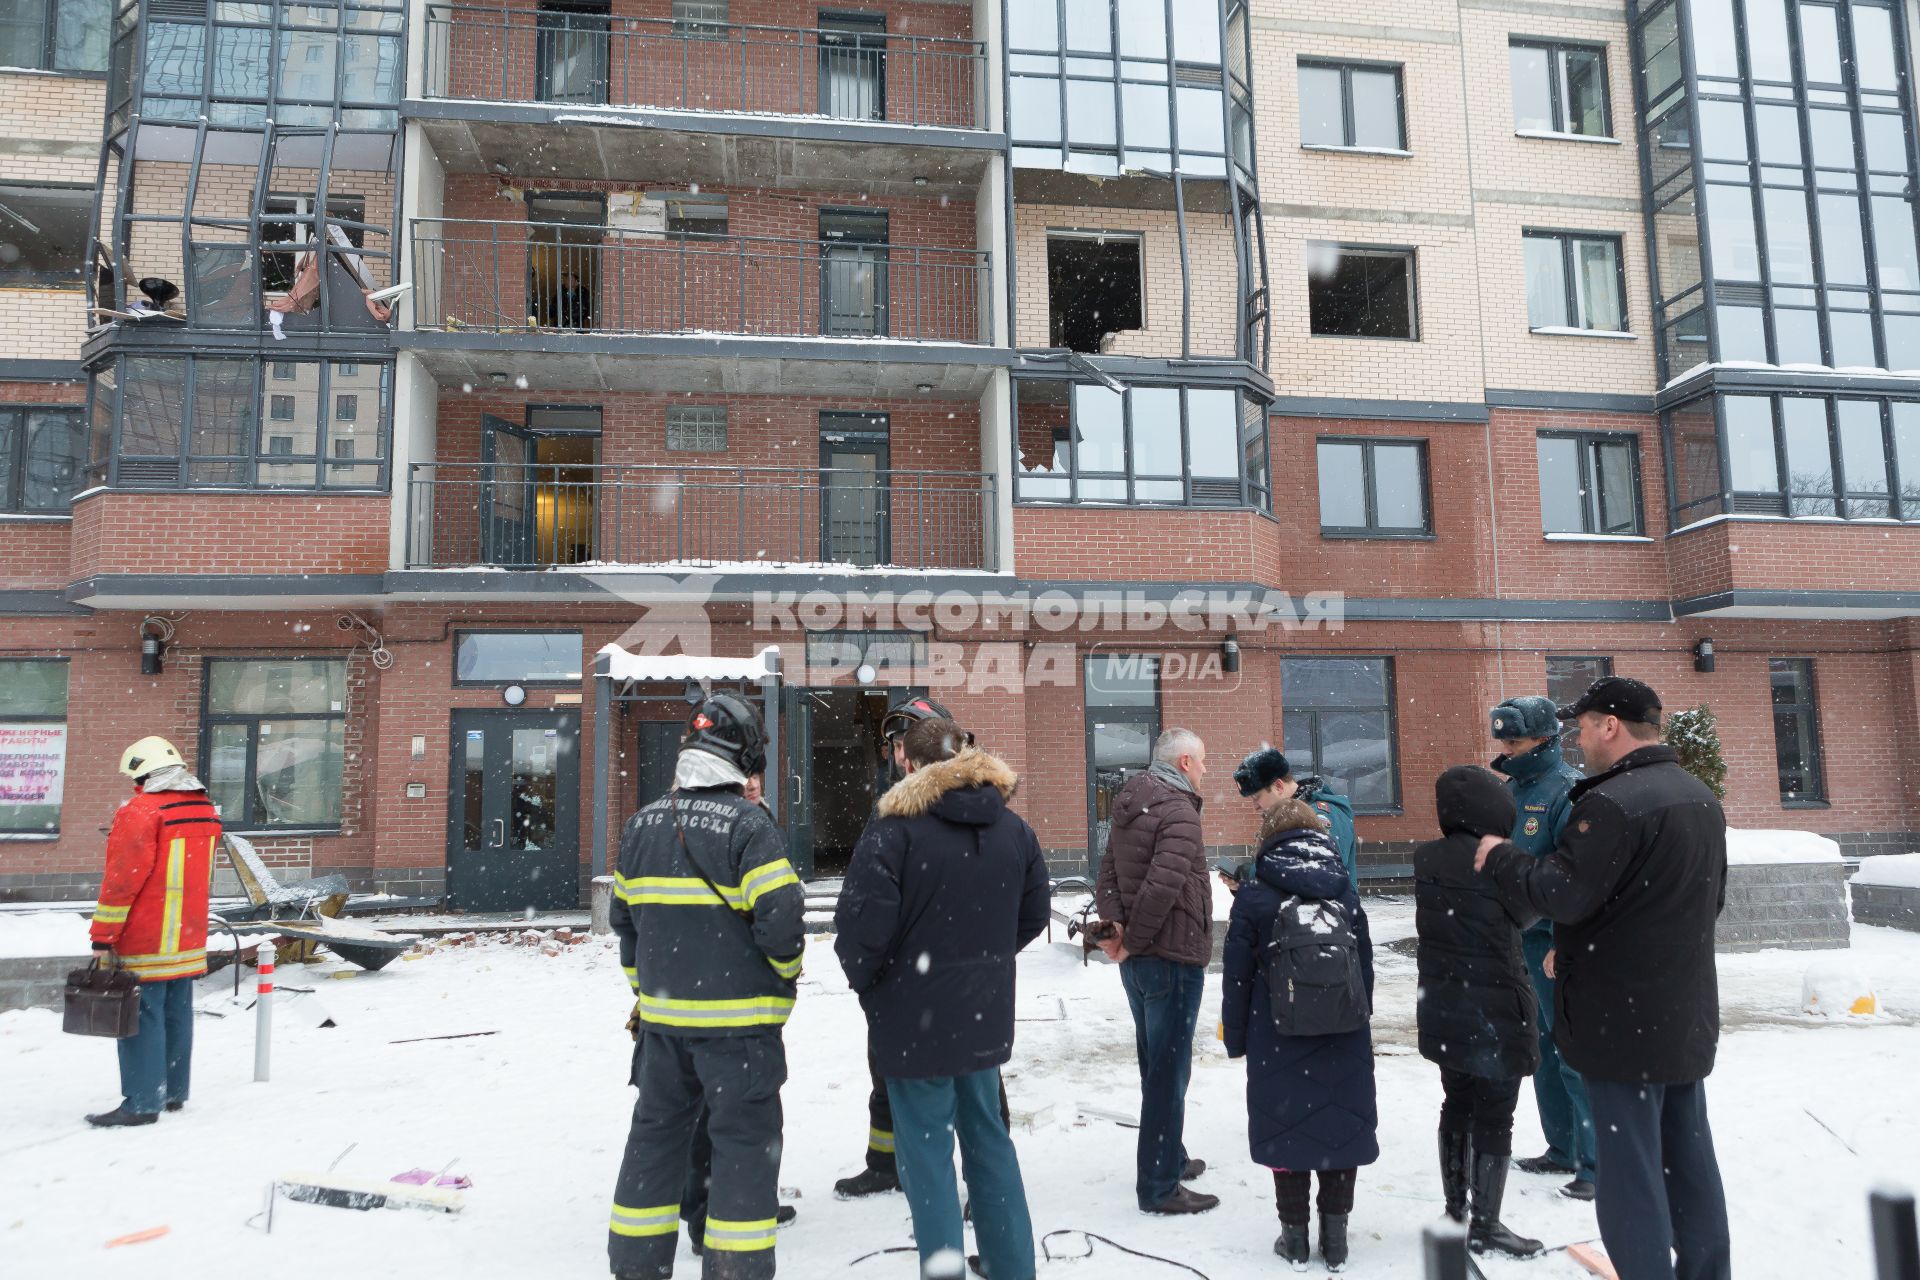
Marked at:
<point>513,276</point>
<point>577,59</point>
<point>541,516</point>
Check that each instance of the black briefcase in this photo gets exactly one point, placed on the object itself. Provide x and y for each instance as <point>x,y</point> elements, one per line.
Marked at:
<point>102,1000</point>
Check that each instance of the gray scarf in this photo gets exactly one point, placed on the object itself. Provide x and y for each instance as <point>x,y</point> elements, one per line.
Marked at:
<point>172,777</point>
<point>1172,777</point>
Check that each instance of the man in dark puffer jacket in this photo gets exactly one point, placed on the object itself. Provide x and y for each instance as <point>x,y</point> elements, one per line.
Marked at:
<point>1476,1005</point>
<point>1153,884</point>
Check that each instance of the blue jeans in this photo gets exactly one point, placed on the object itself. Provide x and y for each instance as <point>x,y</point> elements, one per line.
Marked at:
<point>1662,1207</point>
<point>927,1116</point>
<point>1165,998</point>
<point>157,1060</point>
<point>1565,1115</point>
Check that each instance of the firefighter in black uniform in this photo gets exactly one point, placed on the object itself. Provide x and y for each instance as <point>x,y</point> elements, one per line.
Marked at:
<point>882,1174</point>
<point>709,914</point>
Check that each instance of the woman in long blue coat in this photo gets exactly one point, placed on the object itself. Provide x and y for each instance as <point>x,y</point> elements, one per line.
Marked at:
<point>1310,1099</point>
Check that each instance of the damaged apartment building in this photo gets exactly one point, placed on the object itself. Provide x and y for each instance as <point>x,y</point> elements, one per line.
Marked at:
<point>371,368</point>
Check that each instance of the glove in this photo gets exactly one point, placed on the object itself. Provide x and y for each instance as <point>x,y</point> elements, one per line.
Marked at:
<point>633,1022</point>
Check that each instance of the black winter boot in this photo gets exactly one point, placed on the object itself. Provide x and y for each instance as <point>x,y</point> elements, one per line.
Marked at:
<point>870,1181</point>
<point>1454,1160</point>
<point>121,1118</point>
<point>1294,1245</point>
<point>1486,1233</point>
<point>1333,1240</point>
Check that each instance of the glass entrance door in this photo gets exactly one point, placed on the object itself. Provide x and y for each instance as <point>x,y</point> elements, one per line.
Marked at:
<point>513,837</point>
<point>1123,719</point>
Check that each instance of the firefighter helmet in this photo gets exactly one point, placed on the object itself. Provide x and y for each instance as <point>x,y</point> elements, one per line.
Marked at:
<point>148,754</point>
<point>904,715</point>
<point>724,725</point>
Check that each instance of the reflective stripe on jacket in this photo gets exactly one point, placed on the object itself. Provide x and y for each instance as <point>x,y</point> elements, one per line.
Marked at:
<point>153,897</point>
<point>709,913</point>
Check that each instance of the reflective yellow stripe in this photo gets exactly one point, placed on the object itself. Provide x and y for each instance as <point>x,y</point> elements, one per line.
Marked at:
<point>740,1237</point>
<point>880,1140</point>
<point>764,880</point>
<point>662,1220</point>
<point>110,915</point>
<point>754,1011</point>
<point>633,977</point>
<point>158,968</point>
<point>788,969</point>
<point>176,882</point>
<point>675,891</point>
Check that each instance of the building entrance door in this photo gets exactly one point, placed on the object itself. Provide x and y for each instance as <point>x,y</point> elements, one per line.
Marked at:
<point>838,771</point>
<point>513,828</point>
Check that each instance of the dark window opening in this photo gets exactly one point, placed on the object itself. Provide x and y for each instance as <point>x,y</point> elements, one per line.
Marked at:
<point>287,219</point>
<point>1093,290</point>
<point>1357,292</point>
<point>1796,731</point>
<point>42,455</point>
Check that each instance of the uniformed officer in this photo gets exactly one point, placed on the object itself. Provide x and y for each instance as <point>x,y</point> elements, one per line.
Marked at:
<point>1528,735</point>
<point>710,918</point>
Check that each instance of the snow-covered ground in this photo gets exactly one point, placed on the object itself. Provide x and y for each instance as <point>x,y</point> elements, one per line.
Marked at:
<point>1808,1114</point>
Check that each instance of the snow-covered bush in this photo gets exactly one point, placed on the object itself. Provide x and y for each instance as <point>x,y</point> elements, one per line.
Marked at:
<point>1695,737</point>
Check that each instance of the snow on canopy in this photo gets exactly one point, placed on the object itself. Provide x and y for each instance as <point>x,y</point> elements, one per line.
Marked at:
<point>630,668</point>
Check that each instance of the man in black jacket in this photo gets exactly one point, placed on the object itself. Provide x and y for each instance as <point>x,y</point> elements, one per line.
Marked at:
<point>943,891</point>
<point>1634,889</point>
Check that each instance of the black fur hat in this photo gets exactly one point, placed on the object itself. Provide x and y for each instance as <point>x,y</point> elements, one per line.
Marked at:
<point>1260,770</point>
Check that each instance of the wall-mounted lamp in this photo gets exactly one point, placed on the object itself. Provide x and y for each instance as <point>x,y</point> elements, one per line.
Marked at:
<point>1703,656</point>
<point>155,632</point>
<point>1230,655</point>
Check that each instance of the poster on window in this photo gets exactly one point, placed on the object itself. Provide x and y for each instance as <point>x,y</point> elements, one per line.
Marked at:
<point>33,773</point>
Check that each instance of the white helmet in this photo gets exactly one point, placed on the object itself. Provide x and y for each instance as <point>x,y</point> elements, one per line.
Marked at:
<point>148,754</point>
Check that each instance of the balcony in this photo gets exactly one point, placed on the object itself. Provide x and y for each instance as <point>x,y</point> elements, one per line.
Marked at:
<point>549,277</point>
<point>526,516</point>
<point>581,59</point>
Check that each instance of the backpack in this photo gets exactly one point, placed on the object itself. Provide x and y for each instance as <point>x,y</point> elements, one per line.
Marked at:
<point>1315,986</point>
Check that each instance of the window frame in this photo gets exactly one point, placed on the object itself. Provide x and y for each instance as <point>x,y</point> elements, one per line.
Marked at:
<point>247,823</point>
<point>1900,508</point>
<point>1396,805</point>
<point>50,42</point>
<point>531,682</point>
<point>73,280</point>
<point>1348,129</point>
<point>1808,713</point>
<point>13,493</point>
<point>105,470</point>
<point>707,410</point>
<point>1138,239</point>
<point>1373,530</point>
<point>1575,294</point>
<point>1254,497</point>
<point>1150,716</point>
<point>1556,50</point>
<point>66,711</point>
<point>1412,255</point>
<point>1588,442</point>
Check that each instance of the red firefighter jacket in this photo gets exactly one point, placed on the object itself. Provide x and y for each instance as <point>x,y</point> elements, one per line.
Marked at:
<point>153,899</point>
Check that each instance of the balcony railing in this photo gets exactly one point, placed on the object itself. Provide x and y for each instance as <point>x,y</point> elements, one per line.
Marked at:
<point>517,276</point>
<point>593,60</point>
<point>541,516</point>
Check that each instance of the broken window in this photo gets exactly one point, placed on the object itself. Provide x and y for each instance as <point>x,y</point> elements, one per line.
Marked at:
<point>1094,289</point>
<point>1354,291</point>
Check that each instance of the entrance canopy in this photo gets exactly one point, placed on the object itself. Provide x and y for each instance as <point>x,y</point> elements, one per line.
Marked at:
<point>625,667</point>
<point>618,668</point>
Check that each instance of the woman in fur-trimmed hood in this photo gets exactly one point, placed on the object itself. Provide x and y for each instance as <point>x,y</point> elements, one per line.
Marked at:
<point>944,888</point>
<point>1310,1099</point>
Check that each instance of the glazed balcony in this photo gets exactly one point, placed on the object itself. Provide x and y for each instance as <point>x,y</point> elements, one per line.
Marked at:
<point>583,60</point>
<point>555,278</point>
<point>535,516</point>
